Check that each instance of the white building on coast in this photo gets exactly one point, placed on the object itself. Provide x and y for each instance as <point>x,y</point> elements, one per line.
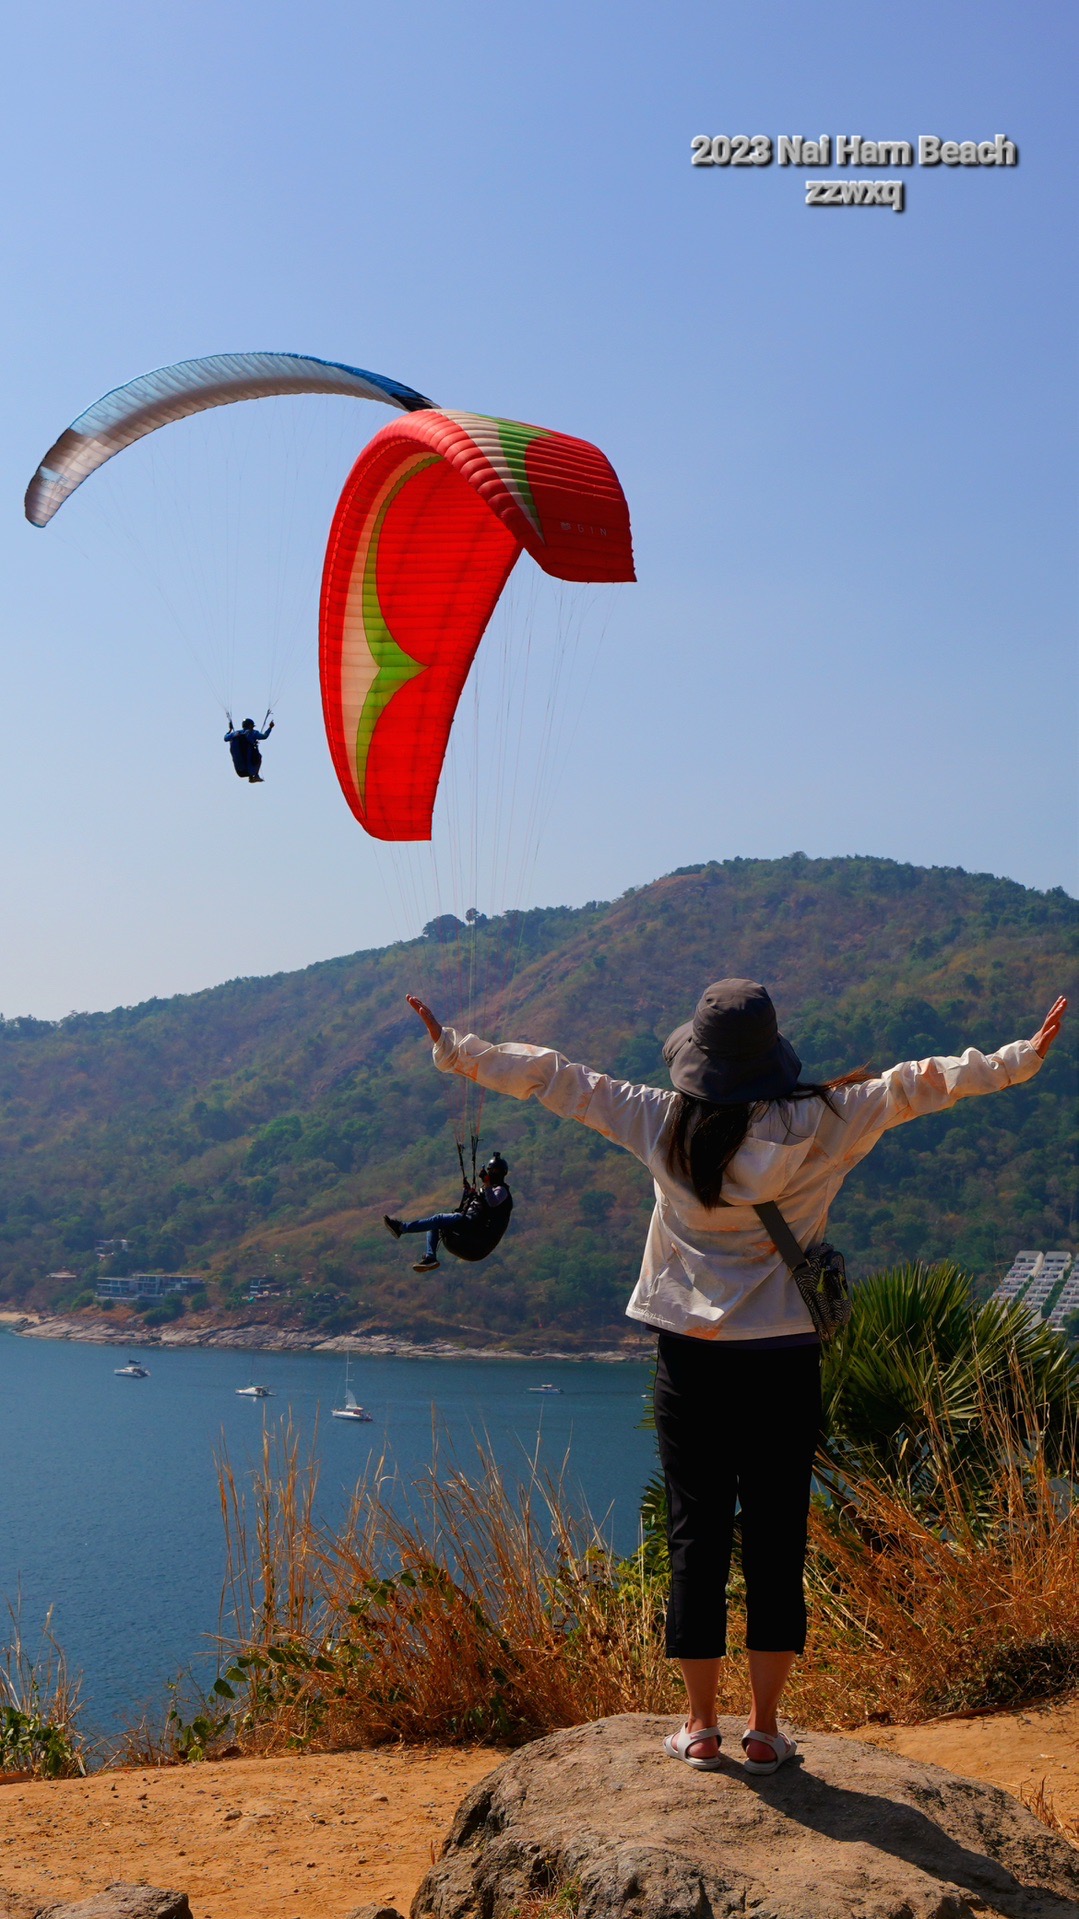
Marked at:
<point>147,1286</point>
<point>1047,1284</point>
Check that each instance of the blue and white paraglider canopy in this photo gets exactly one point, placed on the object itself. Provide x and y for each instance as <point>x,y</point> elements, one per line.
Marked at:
<point>170,393</point>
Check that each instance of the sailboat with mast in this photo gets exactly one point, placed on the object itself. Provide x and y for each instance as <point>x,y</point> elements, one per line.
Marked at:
<point>351,1408</point>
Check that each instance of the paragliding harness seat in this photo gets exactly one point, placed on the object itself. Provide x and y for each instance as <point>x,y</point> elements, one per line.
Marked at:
<point>481,1226</point>
<point>246,757</point>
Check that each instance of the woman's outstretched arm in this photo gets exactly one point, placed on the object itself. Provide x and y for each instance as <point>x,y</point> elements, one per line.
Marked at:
<point>1050,1026</point>
<point>918,1087</point>
<point>631,1116</point>
<point>426,1015</point>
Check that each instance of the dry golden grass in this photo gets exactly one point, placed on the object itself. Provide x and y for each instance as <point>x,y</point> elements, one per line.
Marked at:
<point>971,1602</point>
<point>1041,1803</point>
<point>464,1609</point>
<point>472,1610</point>
<point>468,1610</point>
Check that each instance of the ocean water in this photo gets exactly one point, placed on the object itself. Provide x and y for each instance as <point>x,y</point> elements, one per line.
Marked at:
<point>108,1495</point>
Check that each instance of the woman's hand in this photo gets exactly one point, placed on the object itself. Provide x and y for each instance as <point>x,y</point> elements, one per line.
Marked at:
<point>432,1024</point>
<point>1050,1027</point>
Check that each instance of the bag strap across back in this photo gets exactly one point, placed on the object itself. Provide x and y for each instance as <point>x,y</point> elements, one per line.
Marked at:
<point>777,1229</point>
<point>778,1232</point>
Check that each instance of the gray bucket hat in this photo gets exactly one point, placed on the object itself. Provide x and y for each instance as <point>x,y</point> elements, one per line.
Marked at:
<point>732,1049</point>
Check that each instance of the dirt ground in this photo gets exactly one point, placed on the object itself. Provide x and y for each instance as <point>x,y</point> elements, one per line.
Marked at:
<point>311,1837</point>
<point>296,1838</point>
<point>1009,1749</point>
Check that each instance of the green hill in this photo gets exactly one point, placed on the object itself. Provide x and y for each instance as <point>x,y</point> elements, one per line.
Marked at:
<point>267,1124</point>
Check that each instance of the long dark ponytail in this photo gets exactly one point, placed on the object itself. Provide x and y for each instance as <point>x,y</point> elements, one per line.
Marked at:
<point>705,1137</point>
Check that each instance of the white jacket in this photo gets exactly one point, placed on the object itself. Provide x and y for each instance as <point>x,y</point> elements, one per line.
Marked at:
<point>716,1274</point>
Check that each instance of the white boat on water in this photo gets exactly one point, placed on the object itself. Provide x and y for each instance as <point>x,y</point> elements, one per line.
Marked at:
<point>545,1388</point>
<point>253,1392</point>
<point>132,1371</point>
<point>351,1408</point>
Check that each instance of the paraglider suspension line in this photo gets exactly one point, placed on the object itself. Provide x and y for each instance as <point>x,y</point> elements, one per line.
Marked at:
<point>474,1141</point>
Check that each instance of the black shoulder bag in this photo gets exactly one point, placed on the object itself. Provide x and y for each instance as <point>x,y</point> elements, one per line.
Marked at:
<point>820,1273</point>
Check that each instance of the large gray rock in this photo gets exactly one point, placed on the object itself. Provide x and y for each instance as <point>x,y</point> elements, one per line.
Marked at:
<point>845,1831</point>
<point>121,1901</point>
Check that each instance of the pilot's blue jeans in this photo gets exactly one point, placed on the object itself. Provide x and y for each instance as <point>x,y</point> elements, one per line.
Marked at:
<point>432,1227</point>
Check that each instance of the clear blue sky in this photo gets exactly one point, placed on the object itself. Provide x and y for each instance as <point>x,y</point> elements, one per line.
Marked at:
<point>846,437</point>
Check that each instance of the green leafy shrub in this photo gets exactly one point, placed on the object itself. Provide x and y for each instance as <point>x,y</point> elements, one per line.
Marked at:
<point>926,1386</point>
<point>164,1311</point>
<point>37,1745</point>
<point>39,1707</point>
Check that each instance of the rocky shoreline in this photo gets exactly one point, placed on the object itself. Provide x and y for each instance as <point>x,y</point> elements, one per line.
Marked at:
<point>263,1337</point>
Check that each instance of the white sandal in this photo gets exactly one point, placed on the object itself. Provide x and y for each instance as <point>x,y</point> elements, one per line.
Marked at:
<point>677,1745</point>
<point>783,1748</point>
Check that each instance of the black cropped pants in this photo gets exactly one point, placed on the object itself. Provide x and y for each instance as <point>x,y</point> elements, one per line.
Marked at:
<point>736,1428</point>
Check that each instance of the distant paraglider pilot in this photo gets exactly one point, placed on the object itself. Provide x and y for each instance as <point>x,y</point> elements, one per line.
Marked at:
<point>243,744</point>
<point>474,1230</point>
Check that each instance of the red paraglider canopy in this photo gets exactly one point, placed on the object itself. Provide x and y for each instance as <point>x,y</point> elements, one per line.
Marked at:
<point>427,530</point>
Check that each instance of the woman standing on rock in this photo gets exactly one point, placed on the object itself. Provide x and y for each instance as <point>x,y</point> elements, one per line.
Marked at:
<point>738,1377</point>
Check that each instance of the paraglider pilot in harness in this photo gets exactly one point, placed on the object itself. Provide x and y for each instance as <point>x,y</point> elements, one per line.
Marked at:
<point>476,1227</point>
<point>243,744</point>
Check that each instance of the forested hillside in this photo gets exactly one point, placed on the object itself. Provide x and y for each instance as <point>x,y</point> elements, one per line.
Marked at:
<point>265,1126</point>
